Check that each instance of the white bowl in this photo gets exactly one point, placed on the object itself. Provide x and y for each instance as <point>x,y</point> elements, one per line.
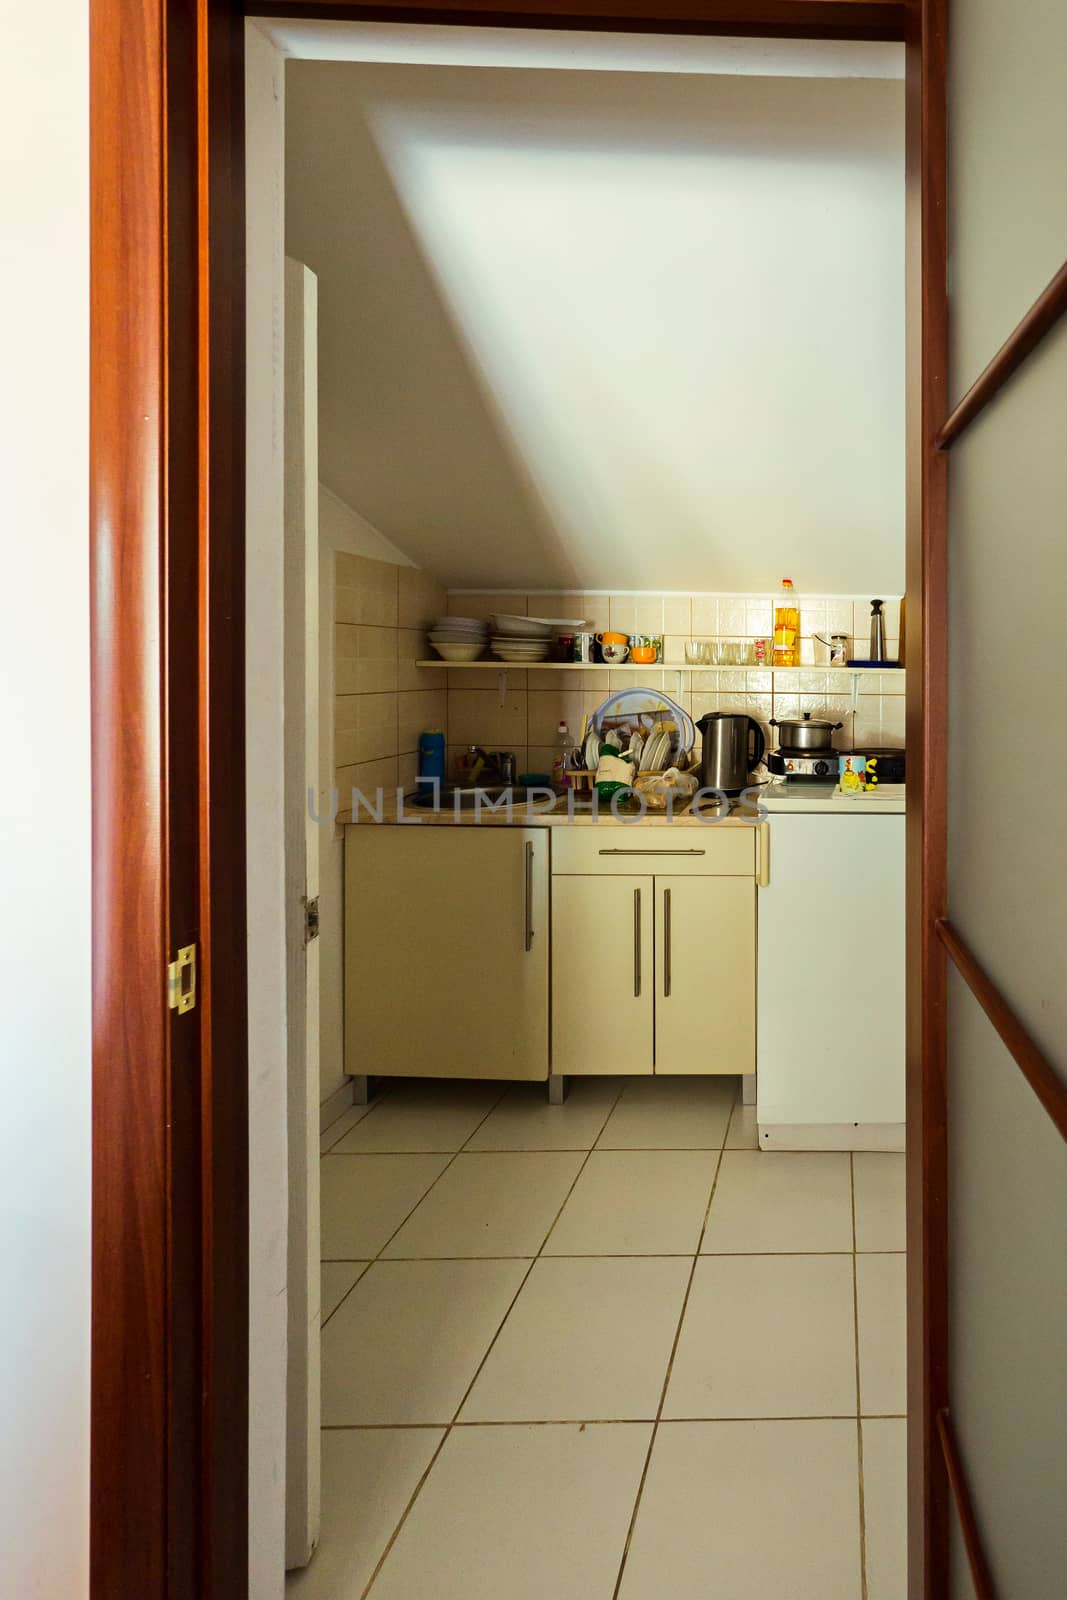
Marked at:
<point>468,624</point>
<point>521,627</point>
<point>458,652</point>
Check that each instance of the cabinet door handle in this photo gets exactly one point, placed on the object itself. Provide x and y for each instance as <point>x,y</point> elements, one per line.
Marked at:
<point>528,905</point>
<point>666,943</point>
<point>763,855</point>
<point>637,943</point>
<point>652,852</point>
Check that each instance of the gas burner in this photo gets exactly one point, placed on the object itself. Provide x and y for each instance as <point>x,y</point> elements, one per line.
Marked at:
<point>786,763</point>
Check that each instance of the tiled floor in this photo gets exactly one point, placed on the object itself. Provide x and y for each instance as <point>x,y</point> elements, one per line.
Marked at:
<point>605,1351</point>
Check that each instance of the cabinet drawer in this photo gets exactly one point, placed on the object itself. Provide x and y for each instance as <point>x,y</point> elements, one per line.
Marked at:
<point>711,851</point>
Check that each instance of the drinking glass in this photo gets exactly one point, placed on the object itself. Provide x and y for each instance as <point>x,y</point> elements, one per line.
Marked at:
<point>694,652</point>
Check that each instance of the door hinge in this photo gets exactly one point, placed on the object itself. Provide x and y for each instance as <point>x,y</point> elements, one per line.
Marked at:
<point>181,980</point>
<point>311,919</point>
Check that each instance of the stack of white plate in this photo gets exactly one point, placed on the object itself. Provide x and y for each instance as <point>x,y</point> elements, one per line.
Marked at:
<point>520,650</point>
<point>459,638</point>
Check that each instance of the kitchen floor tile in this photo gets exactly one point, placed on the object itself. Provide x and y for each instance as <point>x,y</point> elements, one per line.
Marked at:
<point>337,1278</point>
<point>366,1198</point>
<point>525,1121</point>
<point>368,1477</point>
<point>490,1205</point>
<point>425,1115</point>
<point>526,1512</point>
<point>586,1339</point>
<point>766,1336</point>
<point>742,1133</point>
<point>880,1300</point>
<point>885,1507</point>
<point>406,1343</point>
<point>780,1202</point>
<point>636,1202</point>
<point>748,1511</point>
<point>879,1180</point>
<point>665,1113</point>
<point>340,1126</point>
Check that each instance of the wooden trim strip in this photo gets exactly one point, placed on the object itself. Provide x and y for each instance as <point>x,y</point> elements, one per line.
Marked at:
<point>780,19</point>
<point>1034,1065</point>
<point>961,1494</point>
<point>1038,321</point>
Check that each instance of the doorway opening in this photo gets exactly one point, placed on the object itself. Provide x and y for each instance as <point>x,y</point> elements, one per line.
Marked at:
<point>446,213</point>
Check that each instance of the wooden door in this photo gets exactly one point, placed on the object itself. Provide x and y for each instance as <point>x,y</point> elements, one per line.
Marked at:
<point>705,975</point>
<point>603,975</point>
<point>446,951</point>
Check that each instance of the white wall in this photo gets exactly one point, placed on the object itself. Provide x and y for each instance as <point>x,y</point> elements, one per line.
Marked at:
<point>44,806</point>
<point>584,330</point>
<point>267,1134</point>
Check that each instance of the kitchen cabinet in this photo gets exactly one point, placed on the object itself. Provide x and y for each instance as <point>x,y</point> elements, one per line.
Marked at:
<point>446,951</point>
<point>705,974</point>
<point>602,975</point>
<point>653,971</point>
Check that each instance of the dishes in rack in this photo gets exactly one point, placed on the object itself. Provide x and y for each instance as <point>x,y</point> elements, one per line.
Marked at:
<point>459,638</point>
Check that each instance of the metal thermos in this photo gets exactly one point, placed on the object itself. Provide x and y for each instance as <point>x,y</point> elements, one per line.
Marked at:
<point>878,644</point>
<point>732,746</point>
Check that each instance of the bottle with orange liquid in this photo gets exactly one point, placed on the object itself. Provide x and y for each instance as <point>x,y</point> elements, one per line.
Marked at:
<point>787,628</point>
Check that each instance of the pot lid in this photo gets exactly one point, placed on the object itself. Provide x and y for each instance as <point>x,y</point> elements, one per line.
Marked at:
<point>806,721</point>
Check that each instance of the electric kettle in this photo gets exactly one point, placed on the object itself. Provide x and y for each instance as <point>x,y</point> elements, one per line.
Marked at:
<point>732,745</point>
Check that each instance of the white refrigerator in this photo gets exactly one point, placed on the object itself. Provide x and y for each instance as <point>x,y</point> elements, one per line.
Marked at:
<point>830,1006</point>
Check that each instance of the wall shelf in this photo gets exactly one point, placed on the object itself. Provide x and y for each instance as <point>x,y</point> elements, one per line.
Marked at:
<point>626,666</point>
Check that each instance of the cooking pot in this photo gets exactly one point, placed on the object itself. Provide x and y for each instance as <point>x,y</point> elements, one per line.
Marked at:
<point>806,733</point>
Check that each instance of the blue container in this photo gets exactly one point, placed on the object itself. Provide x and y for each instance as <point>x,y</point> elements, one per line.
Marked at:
<point>431,769</point>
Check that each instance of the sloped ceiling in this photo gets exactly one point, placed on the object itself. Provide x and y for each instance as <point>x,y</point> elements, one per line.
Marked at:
<point>597,330</point>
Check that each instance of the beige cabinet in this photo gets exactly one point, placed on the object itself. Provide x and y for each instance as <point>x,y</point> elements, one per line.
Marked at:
<point>654,971</point>
<point>602,975</point>
<point>705,937</point>
<point>446,951</point>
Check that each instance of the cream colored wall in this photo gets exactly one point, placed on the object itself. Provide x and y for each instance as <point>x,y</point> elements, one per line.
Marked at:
<point>536,701</point>
<point>584,329</point>
<point>45,1038</point>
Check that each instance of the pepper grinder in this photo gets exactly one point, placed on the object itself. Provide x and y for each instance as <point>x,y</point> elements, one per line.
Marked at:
<point>878,644</point>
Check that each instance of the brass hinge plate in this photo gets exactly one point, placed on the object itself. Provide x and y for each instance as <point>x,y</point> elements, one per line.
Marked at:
<point>181,980</point>
<point>311,919</point>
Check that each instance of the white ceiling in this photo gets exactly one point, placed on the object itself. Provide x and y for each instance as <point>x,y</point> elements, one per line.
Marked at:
<point>607,329</point>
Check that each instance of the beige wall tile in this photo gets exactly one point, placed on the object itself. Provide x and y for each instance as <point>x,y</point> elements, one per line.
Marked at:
<point>476,678</point>
<point>419,710</point>
<point>366,591</point>
<point>365,728</point>
<point>420,600</point>
<point>705,615</point>
<point>483,605</point>
<point>475,716</point>
<point>365,660</point>
<point>636,613</point>
<point>366,776</point>
<point>677,614</point>
<point>892,721</point>
<point>539,758</point>
<point>412,646</point>
<point>548,709</point>
<point>733,617</point>
<point>407,770</point>
<point>541,678</point>
<point>592,607</point>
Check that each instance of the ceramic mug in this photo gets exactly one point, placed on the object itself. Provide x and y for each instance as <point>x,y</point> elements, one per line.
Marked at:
<point>613,646</point>
<point>643,654</point>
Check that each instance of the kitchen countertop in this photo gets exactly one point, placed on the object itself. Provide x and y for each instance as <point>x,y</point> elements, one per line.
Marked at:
<point>525,816</point>
<point>776,798</point>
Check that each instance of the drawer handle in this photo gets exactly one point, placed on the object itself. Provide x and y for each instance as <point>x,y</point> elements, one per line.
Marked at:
<point>763,855</point>
<point>637,944</point>
<point>666,944</point>
<point>528,907</point>
<point>652,852</point>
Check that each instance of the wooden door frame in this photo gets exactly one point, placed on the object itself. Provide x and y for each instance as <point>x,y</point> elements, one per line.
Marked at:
<point>169,1455</point>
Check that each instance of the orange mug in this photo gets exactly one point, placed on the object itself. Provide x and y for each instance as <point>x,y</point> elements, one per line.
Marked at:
<point>643,654</point>
<point>613,638</point>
